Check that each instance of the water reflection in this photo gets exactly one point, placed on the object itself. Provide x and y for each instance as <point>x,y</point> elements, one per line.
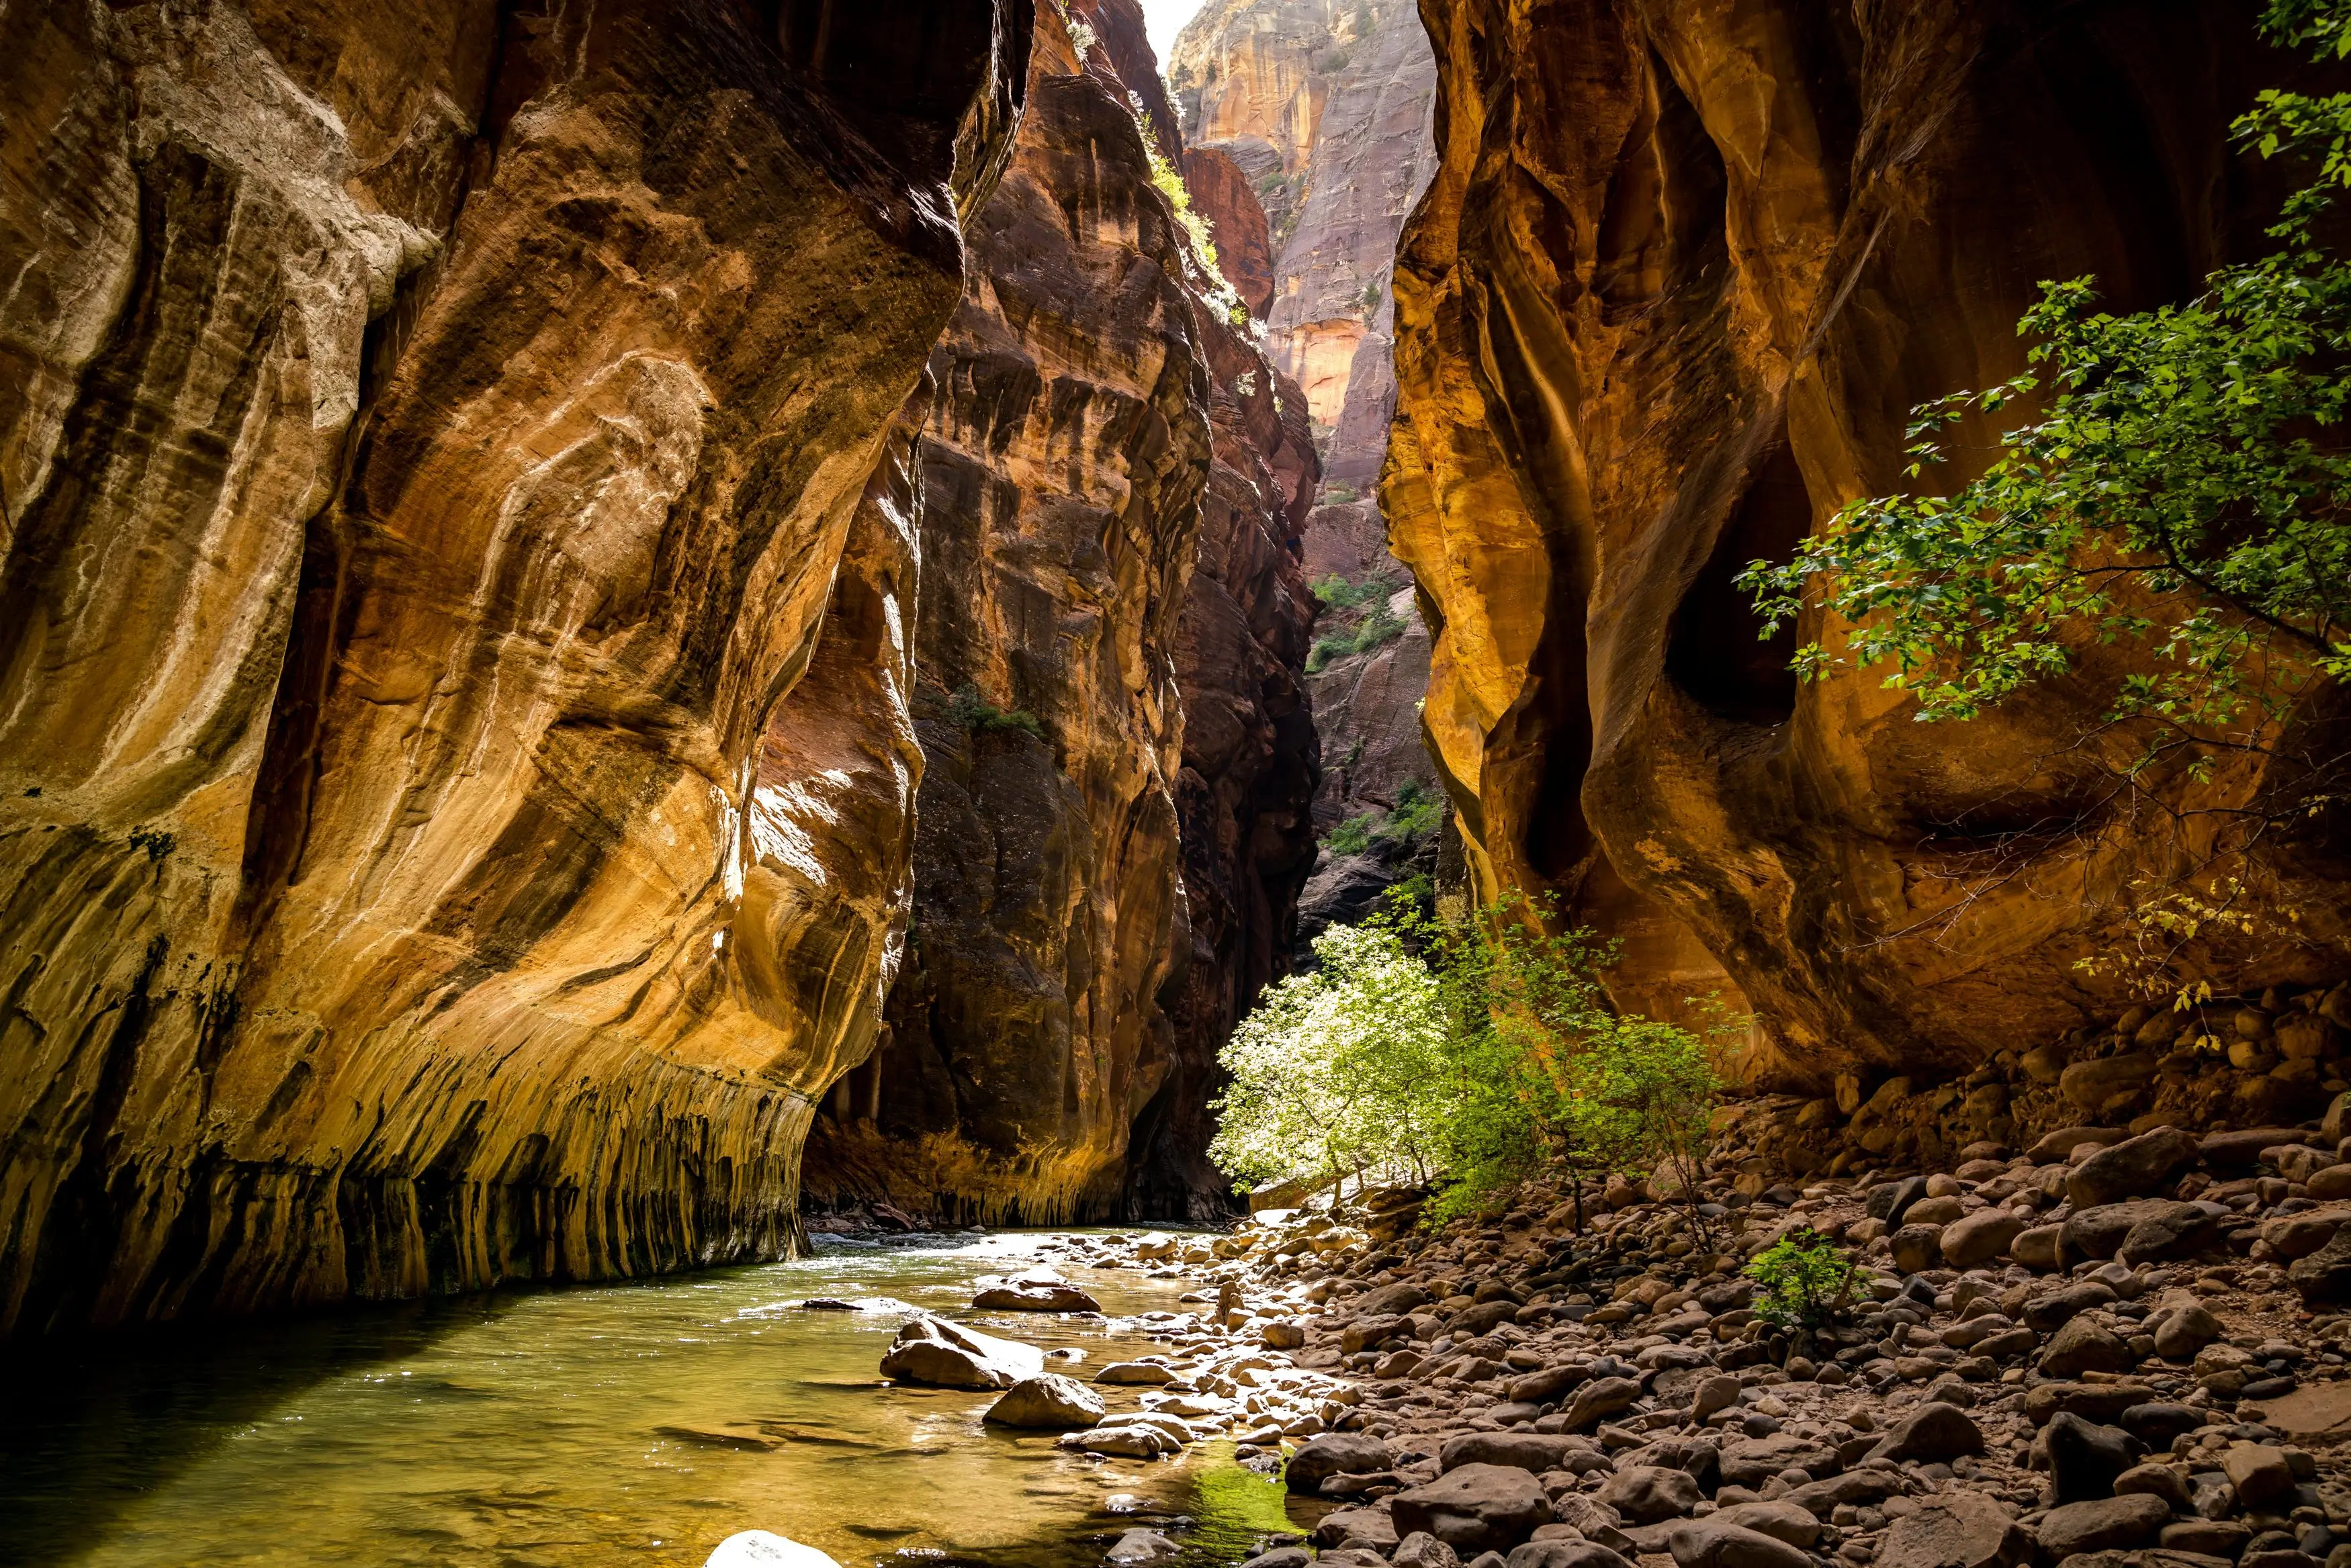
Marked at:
<point>638,1424</point>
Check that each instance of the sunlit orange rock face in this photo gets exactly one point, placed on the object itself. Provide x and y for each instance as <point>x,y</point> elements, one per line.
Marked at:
<point>1112,816</point>
<point>1683,271</point>
<point>456,616</point>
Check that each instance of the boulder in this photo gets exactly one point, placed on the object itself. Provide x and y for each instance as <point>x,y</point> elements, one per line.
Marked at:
<point>1048,1402</point>
<point>2084,1457</point>
<point>1782,1520</point>
<point>2155,1424</point>
<point>2184,1331</point>
<point>1369,1529</point>
<point>1389,1301</point>
<point>2082,1345</point>
<point>2048,1311</point>
<point>2160,1480</point>
<point>1369,1329</point>
<point>1146,1373</point>
<point>1719,1392</point>
<point>2325,1276</point>
<point>1038,1289</point>
<point>2101,1525</point>
<point>2055,1146</point>
<point>2038,1246</point>
<point>1543,1386</point>
<point>942,1355</point>
<point>1917,1247</point>
<point>2090,1401</point>
<point>1528,1451</point>
<point>1935,1210</point>
<point>1476,1508</point>
<point>761,1549</point>
<point>2098,1232</point>
<point>2261,1474</point>
<point>1141,1546</point>
<point>2174,1231</point>
<point>1956,1530</point>
<point>1283,1334</point>
<point>1890,1200</point>
<point>1336,1454</point>
<point>2102,1080</point>
<point>2292,1236</point>
<point>1715,1542</point>
<point>1753,1460</point>
<point>2239,1150</point>
<point>1125,1442</point>
<point>1646,1494</point>
<point>1563,1553</point>
<point>1980,1237</point>
<point>1935,1433</point>
<point>2135,1168</point>
<point>1599,1399</point>
<point>1419,1550</point>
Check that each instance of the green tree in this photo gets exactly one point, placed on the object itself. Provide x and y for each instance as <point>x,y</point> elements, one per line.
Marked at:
<point>2179,483</point>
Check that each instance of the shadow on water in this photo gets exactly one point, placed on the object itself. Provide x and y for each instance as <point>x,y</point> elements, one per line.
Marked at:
<point>637,1424</point>
<point>90,1424</point>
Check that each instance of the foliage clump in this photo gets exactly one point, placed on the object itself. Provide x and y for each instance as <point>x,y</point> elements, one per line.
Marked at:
<point>1471,1052</point>
<point>1380,627</point>
<point>1806,1279</point>
<point>981,717</point>
<point>2175,479</point>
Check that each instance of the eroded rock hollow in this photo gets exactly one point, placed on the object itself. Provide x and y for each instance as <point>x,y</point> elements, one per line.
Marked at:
<point>1682,273</point>
<point>456,623</point>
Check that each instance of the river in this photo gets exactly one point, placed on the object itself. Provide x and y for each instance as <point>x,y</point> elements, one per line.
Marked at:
<point>630,1424</point>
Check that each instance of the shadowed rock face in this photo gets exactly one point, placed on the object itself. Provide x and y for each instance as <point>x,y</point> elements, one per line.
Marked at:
<point>454,757</point>
<point>1682,273</point>
<point>1112,822</point>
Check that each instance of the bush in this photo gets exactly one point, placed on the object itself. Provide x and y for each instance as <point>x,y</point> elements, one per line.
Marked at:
<point>1417,813</point>
<point>967,709</point>
<point>1474,1053</point>
<point>1807,1280</point>
<point>1352,836</point>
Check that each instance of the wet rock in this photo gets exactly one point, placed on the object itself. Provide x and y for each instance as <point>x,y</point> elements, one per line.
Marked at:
<point>1125,1442</point>
<point>1646,1494</point>
<point>1956,1530</point>
<point>1476,1508</point>
<point>1145,1374</point>
<point>1141,1546</point>
<point>1336,1453</point>
<point>1048,1402</point>
<point>2101,1524</point>
<point>1936,1433</point>
<point>944,1355</point>
<point>2135,1168</point>
<point>2084,1457</point>
<point>1036,1291</point>
<point>762,1549</point>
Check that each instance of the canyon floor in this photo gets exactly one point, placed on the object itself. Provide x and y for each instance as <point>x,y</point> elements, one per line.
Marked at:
<point>2104,1349</point>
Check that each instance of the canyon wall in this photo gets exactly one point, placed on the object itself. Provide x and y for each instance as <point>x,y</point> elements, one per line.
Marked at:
<point>1329,105</point>
<point>1113,813</point>
<point>456,741</point>
<point>1683,271</point>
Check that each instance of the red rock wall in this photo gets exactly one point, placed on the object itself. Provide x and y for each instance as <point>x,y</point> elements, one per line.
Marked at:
<point>1683,271</point>
<point>1111,824</point>
<point>454,752</point>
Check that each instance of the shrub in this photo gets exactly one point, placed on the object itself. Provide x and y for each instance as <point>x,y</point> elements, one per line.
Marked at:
<point>1417,813</point>
<point>1807,1280</point>
<point>1352,836</point>
<point>967,709</point>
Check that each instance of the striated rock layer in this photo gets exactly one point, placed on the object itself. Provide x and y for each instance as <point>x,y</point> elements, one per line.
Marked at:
<point>1681,274</point>
<point>454,752</point>
<point>1339,98</point>
<point>1112,813</point>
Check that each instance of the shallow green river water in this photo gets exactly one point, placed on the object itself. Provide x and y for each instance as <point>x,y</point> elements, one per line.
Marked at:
<point>637,1424</point>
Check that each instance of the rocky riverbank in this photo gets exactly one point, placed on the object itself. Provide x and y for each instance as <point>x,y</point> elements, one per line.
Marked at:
<point>2102,1348</point>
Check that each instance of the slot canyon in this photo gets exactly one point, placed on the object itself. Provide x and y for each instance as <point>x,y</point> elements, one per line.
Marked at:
<point>645,637</point>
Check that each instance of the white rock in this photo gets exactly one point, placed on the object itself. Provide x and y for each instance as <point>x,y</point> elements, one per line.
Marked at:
<point>765,1549</point>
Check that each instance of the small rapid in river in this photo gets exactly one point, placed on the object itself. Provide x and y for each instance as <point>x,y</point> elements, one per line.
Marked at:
<point>637,1424</point>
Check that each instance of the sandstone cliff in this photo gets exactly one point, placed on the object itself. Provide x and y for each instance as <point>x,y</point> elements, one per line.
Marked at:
<point>454,750</point>
<point>1681,274</point>
<point>1112,813</point>
<point>1330,104</point>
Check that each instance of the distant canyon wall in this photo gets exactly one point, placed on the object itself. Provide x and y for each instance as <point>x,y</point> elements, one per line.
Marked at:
<point>1682,273</point>
<point>1114,815</point>
<point>456,746</point>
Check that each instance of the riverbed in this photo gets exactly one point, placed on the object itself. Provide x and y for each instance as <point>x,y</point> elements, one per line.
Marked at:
<point>630,1424</point>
